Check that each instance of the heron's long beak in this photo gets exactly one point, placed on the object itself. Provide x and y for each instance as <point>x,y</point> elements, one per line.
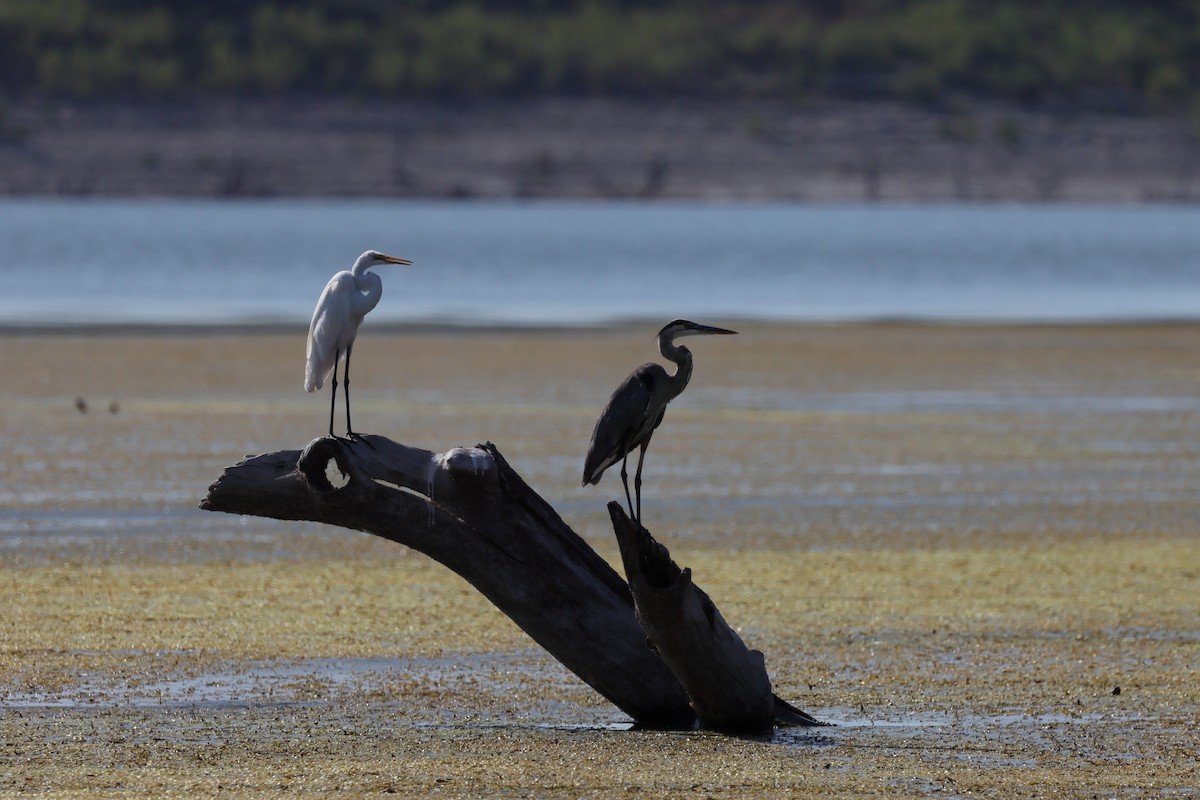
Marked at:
<point>711,329</point>
<point>395,260</point>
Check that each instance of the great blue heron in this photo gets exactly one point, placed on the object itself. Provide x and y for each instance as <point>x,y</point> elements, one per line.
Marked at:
<point>636,408</point>
<point>347,298</point>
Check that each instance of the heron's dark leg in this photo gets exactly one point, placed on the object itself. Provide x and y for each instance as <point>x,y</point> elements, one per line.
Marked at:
<point>625,482</point>
<point>333,394</point>
<point>637,479</point>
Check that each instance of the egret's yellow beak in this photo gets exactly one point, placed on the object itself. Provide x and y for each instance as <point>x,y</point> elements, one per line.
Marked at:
<point>395,260</point>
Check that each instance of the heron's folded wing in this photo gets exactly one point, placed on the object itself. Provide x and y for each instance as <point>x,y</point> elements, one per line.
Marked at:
<point>622,423</point>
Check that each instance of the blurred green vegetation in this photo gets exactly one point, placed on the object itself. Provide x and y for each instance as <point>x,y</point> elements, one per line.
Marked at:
<point>1138,55</point>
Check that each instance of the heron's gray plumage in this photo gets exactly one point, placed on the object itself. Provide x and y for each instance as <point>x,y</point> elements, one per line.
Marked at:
<point>628,419</point>
<point>637,407</point>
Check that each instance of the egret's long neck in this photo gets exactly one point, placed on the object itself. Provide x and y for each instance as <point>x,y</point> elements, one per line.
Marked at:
<point>683,362</point>
<point>370,289</point>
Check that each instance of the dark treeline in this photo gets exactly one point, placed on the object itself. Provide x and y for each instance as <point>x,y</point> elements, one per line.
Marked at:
<point>1139,54</point>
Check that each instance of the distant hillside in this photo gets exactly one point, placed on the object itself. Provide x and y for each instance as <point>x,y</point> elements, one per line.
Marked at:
<point>1126,56</point>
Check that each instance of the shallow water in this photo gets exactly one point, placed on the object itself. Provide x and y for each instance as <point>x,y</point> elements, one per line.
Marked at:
<point>310,681</point>
<point>527,692</point>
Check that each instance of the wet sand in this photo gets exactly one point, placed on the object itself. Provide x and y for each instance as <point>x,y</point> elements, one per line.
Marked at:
<point>954,542</point>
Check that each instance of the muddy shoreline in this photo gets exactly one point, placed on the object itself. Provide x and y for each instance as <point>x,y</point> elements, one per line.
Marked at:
<point>670,148</point>
<point>956,542</point>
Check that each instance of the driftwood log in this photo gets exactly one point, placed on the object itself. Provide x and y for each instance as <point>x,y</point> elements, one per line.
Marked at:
<point>470,511</point>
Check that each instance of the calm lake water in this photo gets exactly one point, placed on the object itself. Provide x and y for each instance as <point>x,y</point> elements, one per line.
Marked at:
<point>214,262</point>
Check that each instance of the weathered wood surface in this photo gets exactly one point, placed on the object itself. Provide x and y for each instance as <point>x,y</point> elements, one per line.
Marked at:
<point>468,510</point>
<point>725,680</point>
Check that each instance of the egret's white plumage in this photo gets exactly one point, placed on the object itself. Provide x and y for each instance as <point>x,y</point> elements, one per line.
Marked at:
<point>347,298</point>
<point>637,407</point>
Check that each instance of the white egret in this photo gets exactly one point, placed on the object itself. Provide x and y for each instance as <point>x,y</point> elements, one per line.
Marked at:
<point>347,298</point>
<point>636,408</point>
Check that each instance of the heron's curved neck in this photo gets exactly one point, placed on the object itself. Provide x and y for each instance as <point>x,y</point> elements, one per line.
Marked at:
<point>683,362</point>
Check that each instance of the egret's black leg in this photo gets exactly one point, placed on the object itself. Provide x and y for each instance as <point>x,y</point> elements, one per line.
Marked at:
<point>350,434</point>
<point>346,386</point>
<point>625,482</point>
<point>333,395</point>
<point>637,479</point>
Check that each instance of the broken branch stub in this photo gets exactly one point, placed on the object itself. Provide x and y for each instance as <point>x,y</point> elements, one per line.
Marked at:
<point>725,680</point>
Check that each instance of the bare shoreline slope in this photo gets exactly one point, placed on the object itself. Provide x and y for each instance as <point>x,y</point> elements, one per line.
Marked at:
<point>824,151</point>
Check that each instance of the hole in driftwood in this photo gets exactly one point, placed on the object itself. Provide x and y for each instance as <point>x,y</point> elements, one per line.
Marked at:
<point>333,473</point>
<point>320,466</point>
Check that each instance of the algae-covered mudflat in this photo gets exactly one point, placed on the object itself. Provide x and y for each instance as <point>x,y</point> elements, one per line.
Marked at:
<point>957,543</point>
